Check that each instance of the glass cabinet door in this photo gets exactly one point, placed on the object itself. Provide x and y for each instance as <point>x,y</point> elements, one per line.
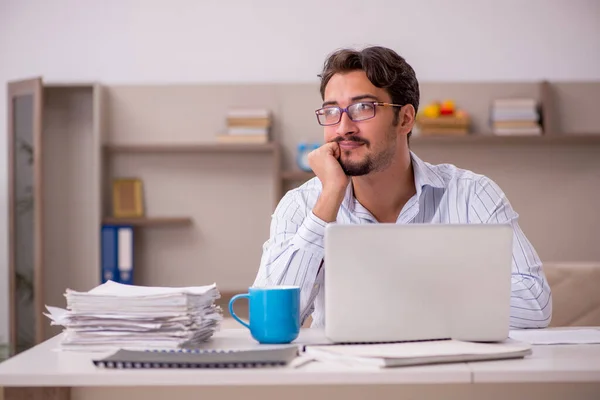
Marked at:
<point>25,99</point>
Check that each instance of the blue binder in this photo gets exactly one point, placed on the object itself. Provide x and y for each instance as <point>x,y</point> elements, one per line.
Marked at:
<point>117,254</point>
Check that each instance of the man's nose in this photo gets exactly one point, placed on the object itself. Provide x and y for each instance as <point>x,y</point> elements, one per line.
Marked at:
<point>346,126</point>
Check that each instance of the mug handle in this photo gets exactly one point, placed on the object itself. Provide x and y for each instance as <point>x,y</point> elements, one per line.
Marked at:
<point>233,299</point>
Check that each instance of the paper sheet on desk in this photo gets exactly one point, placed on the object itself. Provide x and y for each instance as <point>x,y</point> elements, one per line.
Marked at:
<point>562,336</point>
<point>112,289</point>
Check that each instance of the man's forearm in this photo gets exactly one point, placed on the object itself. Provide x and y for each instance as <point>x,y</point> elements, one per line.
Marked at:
<point>328,205</point>
<point>295,261</point>
<point>530,302</point>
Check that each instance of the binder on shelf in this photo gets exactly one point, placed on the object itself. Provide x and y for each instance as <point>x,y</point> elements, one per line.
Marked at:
<point>117,254</point>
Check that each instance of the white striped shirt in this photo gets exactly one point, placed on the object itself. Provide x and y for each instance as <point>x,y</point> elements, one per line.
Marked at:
<point>293,254</point>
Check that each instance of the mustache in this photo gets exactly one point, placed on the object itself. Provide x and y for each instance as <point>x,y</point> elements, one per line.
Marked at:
<point>350,139</point>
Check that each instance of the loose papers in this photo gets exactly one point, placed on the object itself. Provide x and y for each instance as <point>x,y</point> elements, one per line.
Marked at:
<point>113,316</point>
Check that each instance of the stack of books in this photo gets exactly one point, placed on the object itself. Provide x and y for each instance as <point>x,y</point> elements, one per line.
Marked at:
<point>117,316</point>
<point>518,116</point>
<point>247,126</point>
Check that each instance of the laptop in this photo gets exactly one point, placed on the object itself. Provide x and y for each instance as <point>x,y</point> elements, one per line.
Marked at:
<point>391,282</point>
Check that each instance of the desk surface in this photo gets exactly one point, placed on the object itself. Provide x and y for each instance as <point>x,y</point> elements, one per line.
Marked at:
<point>43,365</point>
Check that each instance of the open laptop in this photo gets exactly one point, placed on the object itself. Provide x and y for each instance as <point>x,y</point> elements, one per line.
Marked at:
<point>391,282</point>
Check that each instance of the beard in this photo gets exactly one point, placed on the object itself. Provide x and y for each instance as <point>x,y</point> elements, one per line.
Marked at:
<point>371,162</point>
<point>352,168</point>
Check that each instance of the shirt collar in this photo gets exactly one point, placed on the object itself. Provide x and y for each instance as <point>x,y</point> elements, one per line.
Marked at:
<point>424,175</point>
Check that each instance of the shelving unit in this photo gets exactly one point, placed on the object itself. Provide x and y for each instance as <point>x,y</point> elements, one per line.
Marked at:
<point>272,148</point>
<point>191,148</point>
<point>215,200</point>
<point>476,139</point>
<point>149,221</point>
<point>182,148</point>
<point>559,139</point>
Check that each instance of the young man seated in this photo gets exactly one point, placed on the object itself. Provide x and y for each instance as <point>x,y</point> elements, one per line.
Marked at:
<point>366,173</point>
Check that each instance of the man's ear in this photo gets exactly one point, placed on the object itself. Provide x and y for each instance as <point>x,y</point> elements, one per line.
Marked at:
<point>406,118</point>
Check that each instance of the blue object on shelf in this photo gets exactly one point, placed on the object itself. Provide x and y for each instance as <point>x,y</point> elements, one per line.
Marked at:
<point>302,155</point>
<point>117,254</point>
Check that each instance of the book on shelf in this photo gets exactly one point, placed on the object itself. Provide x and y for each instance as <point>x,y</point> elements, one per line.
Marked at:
<point>515,116</point>
<point>247,122</point>
<point>243,130</point>
<point>516,131</point>
<point>247,125</point>
<point>514,124</point>
<point>253,113</point>
<point>243,139</point>
<point>515,102</point>
<point>249,118</point>
<point>116,255</point>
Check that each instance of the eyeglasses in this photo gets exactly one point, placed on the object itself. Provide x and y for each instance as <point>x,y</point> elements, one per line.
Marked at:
<point>362,111</point>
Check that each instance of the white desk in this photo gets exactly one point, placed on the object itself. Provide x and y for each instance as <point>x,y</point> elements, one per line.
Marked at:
<point>552,372</point>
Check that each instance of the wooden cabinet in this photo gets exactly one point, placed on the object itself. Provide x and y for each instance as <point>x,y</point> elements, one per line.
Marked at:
<point>65,148</point>
<point>25,204</point>
<point>53,200</point>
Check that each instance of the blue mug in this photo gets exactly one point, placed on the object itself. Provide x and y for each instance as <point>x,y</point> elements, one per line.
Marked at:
<point>274,313</point>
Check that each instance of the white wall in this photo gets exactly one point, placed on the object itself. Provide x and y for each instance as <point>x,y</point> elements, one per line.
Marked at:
<point>118,41</point>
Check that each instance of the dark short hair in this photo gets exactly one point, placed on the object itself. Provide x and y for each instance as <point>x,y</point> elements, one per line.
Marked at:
<point>385,69</point>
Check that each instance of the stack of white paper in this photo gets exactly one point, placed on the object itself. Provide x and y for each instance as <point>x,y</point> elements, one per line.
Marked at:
<point>113,316</point>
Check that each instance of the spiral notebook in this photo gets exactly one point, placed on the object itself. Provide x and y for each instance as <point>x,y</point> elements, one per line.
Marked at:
<point>199,358</point>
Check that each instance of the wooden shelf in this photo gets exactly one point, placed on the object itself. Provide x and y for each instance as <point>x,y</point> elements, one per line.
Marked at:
<point>563,139</point>
<point>192,148</point>
<point>149,222</point>
<point>296,175</point>
<point>69,85</point>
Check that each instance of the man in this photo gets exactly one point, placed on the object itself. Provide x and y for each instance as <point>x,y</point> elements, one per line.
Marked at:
<point>365,173</point>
